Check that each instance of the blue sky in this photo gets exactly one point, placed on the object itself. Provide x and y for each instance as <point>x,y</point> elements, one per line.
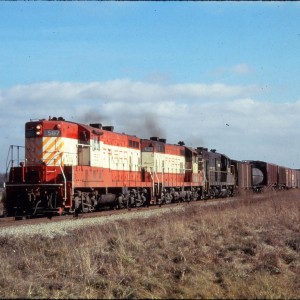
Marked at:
<point>190,66</point>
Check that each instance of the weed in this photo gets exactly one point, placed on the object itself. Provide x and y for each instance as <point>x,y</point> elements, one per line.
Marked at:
<point>246,249</point>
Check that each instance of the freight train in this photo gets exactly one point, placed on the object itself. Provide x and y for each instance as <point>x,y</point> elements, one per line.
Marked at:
<point>70,167</point>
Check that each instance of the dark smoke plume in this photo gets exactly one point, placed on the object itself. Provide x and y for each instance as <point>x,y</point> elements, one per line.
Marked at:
<point>93,116</point>
<point>143,125</point>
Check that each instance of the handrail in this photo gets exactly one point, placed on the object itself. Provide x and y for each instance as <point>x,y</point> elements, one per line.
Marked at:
<point>65,182</point>
<point>10,158</point>
<point>151,178</point>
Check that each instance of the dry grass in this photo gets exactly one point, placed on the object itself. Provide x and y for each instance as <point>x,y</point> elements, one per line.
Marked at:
<point>249,249</point>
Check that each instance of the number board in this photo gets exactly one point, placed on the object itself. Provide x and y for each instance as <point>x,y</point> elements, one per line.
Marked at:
<point>52,132</point>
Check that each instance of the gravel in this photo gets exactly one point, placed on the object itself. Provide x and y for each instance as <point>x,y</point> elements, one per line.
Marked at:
<point>64,227</point>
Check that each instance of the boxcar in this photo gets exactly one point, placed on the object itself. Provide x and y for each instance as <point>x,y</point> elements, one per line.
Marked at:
<point>243,174</point>
<point>264,175</point>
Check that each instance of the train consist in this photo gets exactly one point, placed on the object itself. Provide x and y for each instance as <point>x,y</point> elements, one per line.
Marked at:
<point>73,168</point>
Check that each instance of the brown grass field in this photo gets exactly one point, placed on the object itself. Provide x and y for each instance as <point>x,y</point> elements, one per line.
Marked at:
<point>245,250</point>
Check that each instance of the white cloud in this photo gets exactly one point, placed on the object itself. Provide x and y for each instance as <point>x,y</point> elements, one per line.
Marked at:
<point>216,90</point>
<point>241,69</point>
<point>120,89</point>
<point>196,113</point>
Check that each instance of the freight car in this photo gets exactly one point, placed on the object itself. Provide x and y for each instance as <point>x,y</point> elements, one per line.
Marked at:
<point>243,174</point>
<point>297,180</point>
<point>264,175</point>
<point>271,176</point>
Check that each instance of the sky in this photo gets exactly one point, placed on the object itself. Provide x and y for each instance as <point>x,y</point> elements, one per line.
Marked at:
<point>221,75</point>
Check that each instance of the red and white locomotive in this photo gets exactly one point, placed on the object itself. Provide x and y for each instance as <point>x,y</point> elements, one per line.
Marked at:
<point>71,167</point>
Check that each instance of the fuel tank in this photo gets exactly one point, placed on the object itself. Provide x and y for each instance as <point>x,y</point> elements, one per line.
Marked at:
<point>107,199</point>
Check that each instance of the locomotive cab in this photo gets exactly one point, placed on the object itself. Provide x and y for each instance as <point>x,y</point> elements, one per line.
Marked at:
<point>39,183</point>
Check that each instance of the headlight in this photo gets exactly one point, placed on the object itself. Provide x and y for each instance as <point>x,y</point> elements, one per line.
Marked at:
<point>38,128</point>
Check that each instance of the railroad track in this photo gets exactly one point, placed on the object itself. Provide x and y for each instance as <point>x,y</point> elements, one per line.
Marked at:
<point>65,225</point>
<point>11,221</point>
